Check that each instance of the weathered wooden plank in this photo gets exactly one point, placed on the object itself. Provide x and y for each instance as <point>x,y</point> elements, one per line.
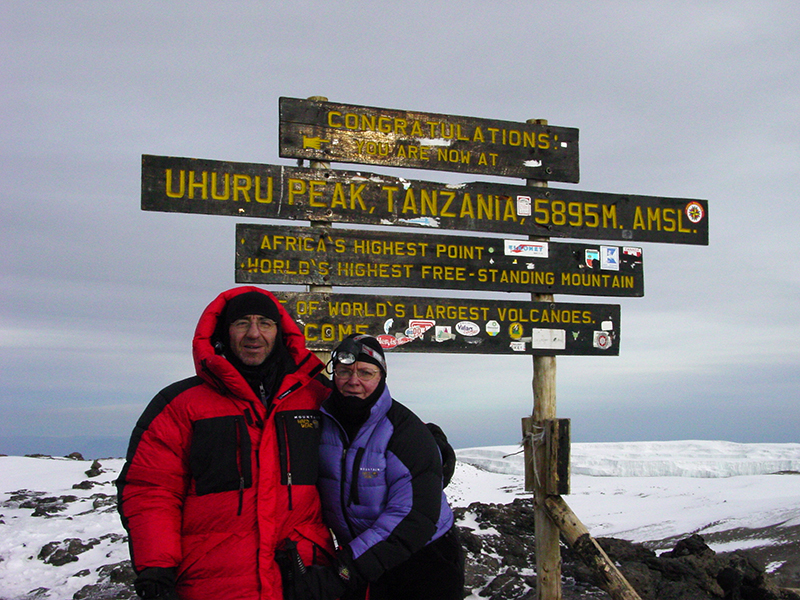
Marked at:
<point>586,547</point>
<point>328,131</point>
<point>173,184</point>
<point>271,254</point>
<point>457,325</point>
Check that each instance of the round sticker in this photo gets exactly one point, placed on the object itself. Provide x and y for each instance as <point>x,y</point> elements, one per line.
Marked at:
<point>602,340</point>
<point>467,328</point>
<point>694,212</point>
<point>515,331</point>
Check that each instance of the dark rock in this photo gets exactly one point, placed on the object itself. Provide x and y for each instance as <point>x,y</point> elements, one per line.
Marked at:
<point>46,506</point>
<point>65,551</point>
<point>694,545</point>
<point>95,470</point>
<point>103,500</point>
<point>500,564</point>
<point>115,582</point>
<point>84,485</point>
<point>506,586</point>
<point>74,456</point>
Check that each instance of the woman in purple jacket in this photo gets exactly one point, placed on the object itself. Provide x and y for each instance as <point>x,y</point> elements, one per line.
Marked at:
<point>381,486</point>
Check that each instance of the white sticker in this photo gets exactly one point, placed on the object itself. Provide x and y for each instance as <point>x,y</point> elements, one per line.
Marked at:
<point>443,333</point>
<point>632,251</point>
<point>467,328</point>
<point>606,325</point>
<point>695,212</point>
<point>517,346</point>
<point>609,258</point>
<point>602,340</point>
<point>492,328</point>
<point>526,248</point>
<point>417,327</point>
<point>523,206</point>
<point>549,339</point>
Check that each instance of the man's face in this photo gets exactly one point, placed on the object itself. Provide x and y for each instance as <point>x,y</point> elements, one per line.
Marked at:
<point>252,338</point>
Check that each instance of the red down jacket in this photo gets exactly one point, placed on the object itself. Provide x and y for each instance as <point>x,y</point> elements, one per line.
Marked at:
<point>213,482</point>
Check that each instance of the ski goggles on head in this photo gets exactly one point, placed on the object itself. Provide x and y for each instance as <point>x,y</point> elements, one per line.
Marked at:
<point>347,352</point>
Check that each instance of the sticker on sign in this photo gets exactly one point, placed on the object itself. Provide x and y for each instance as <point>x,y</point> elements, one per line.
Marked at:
<point>523,248</point>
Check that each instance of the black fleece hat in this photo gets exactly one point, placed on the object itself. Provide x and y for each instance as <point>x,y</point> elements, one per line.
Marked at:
<point>250,303</point>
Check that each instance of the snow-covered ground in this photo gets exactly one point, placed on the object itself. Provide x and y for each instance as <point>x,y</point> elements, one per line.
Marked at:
<point>651,491</point>
<point>640,491</point>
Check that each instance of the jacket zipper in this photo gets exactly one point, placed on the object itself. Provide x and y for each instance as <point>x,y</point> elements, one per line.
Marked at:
<point>343,502</point>
<point>354,478</point>
<point>239,424</point>
<point>283,452</point>
<point>288,463</point>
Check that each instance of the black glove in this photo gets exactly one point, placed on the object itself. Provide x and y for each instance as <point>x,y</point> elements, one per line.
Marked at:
<point>447,452</point>
<point>292,570</point>
<point>323,583</point>
<point>156,583</point>
<point>329,583</point>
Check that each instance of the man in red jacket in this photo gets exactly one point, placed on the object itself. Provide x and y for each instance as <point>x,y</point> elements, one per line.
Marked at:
<point>221,467</point>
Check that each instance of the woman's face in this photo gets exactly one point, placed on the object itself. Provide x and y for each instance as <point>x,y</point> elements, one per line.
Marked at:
<point>359,379</point>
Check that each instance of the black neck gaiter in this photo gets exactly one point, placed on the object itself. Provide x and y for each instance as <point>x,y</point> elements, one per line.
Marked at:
<point>351,411</point>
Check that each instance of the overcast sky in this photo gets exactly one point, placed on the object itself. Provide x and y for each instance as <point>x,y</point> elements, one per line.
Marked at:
<point>99,300</point>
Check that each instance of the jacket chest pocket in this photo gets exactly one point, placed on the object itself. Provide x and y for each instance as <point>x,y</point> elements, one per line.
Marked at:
<point>298,445</point>
<point>219,458</point>
<point>368,483</point>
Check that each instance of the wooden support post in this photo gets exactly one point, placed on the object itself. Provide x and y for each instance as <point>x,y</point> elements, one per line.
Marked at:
<point>553,434</point>
<point>587,548</point>
<point>323,355</point>
<point>548,551</point>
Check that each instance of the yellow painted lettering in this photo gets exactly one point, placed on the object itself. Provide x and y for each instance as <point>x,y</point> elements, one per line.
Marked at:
<point>241,183</point>
<point>334,118</point>
<point>355,196</point>
<point>168,187</point>
<point>466,207</point>
<point>226,193</point>
<point>410,202</point>
<point>259,197</point>
<point>314,193</point>
<point>338,199</point>
<point>202,185</point>
<point>510,211</point>
<point>428,201</point>
<point>297,187</point>
<point>449,196</point>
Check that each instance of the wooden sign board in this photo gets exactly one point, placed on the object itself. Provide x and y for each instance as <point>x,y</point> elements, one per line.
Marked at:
<point>192,185</point>
<point>268,254</point>
<point>458,326</point>
<point>326,131</point>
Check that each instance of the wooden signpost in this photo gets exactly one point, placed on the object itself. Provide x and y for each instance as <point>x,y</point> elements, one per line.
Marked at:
<point>191,185</point>
<point>326,131</point>
<point>327,256</point>
<point>321,256</point>
<point>457,326</point>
